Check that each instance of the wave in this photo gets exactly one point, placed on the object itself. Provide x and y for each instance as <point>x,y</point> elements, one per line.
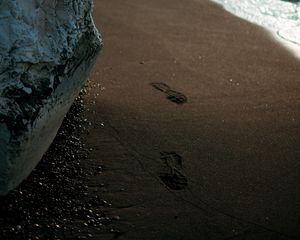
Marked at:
<point>280,16</point>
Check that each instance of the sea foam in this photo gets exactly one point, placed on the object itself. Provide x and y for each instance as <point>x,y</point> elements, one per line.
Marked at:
<point>281,17</point>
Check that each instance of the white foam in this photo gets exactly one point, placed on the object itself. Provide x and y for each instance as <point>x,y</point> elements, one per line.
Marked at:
<point>281,18</point>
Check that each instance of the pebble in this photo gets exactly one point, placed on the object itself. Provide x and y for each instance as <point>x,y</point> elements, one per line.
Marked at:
<point>48,203</point>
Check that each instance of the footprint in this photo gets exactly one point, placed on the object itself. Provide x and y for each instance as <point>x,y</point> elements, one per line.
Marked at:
<point>176,97</point>
<point>160,86</point>
<point>175,181</point>
<point>171,159</point>
<point>171,95</point>
<point>173,177</point>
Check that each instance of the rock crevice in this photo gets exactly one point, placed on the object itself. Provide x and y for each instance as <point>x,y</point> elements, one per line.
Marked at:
<point>46,50</point>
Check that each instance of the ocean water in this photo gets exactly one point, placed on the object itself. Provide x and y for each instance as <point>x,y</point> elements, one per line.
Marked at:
<point>282,17</point>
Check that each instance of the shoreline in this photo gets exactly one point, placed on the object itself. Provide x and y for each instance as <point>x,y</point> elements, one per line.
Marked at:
<point>290,45</point>
<point>190,130</point>
<point>235,129</point>
<point>293,48</point>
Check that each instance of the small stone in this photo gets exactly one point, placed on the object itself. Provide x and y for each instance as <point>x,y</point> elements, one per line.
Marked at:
<point>117,218</point>
<point>99,169</point>
<point>27,90</point>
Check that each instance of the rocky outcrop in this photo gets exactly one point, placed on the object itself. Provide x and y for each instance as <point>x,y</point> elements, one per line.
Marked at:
<point>47,48</point>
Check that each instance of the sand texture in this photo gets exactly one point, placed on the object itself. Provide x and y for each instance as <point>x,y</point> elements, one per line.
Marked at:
<point>198,123</point>
<point>194,131</point>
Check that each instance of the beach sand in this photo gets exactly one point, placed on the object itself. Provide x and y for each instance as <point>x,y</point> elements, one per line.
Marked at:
<point>197,123</point>
<point>194,134</point>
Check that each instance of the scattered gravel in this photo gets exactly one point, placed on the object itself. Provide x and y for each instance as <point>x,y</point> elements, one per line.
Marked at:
<point>54,202</point>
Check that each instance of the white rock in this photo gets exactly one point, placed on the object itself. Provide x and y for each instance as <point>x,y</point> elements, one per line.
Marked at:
<point>47,48</point>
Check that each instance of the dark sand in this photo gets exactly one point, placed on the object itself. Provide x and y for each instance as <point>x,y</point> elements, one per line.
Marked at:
<point>194,134</point>
<point>222,163</point>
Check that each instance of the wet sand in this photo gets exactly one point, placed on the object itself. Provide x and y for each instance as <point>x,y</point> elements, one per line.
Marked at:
<point>196,123</point>
<point>190,131</point>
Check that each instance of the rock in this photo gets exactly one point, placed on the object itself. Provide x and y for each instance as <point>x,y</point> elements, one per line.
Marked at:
<point>46,51</point>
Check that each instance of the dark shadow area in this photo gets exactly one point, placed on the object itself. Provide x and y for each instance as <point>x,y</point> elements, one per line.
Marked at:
<point>53,203</point>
